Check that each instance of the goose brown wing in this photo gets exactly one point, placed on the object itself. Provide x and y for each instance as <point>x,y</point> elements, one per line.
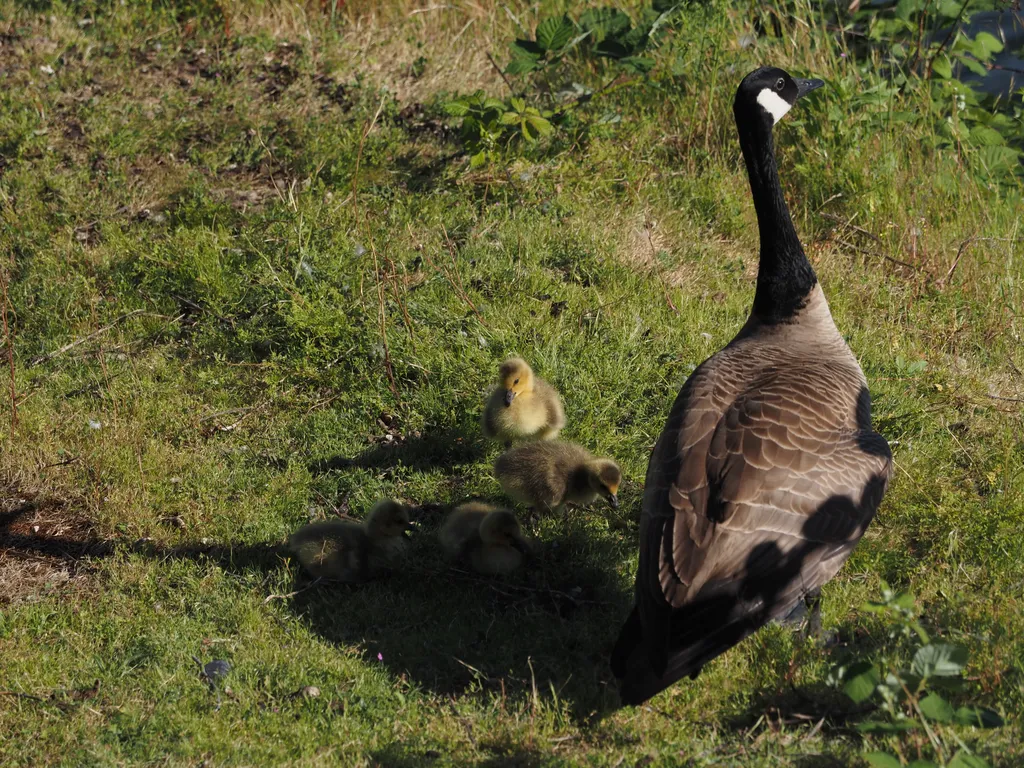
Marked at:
<point>759,501</point>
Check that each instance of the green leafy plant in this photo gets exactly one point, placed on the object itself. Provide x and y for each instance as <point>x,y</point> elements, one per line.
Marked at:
<point>490,125</point>
<point>605,33</point>
<point>913,709</point>
<point>599,37</point>
<point>985,133</point>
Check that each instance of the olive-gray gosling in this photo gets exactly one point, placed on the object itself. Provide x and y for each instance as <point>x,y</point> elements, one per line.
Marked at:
<point>523,407</point>
<point>342,550</point>
<point>487,538</point>
<point>548,475</point>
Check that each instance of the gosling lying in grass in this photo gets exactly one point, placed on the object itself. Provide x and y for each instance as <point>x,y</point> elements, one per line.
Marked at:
<point>548,475</point>
<point>341,550</point>
<point>488,539</point>
<point>523,407</point>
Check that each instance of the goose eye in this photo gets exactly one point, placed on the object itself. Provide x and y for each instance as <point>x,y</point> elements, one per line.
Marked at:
<point>516,381</point>
<point>780,84</point>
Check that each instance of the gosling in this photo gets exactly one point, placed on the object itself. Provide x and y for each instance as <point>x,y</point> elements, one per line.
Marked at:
<point>488,539</point>
<point>523,407</point>
<point>548,475</point>
<point>340,550</point>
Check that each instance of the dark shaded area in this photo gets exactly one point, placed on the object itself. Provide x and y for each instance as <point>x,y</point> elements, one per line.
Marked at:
<point>422,175</point>
<point>453,632</point>
<point>398,755</point>
<point>440,627</point>
<point>440,448</point>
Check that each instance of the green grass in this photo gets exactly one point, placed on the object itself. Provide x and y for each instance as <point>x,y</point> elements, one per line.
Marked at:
<point>263,336</point>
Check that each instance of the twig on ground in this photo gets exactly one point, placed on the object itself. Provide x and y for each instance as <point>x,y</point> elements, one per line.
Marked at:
<point>382,314</point>
<point>8,343</point>
<point>465,723</point>
<point>226,411</point>
<point>952,268</point>
<point>1006,399</point>
<point>268,598</point>
<point>502,74</point>
<point>876,254</point>
<point>657,267</point>
<point>457,285</point>
<point>77,342</point>
<point>850,225</point>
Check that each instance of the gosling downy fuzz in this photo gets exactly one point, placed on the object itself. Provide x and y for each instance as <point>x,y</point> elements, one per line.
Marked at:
<point>547,475</point>
<point>341,550</point>
<point>487,538</point>
<point>523,407</point>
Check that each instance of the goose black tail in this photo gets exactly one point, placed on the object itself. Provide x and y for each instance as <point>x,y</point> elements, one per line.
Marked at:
<point>688,653</point>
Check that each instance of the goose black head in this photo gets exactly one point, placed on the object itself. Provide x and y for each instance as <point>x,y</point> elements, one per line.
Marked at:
<point>768,93</point>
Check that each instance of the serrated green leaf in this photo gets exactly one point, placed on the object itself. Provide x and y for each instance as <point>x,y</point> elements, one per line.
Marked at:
<point>517,104</point>
<point>509,118</point>
<point>861,679</point>
<point>949,8</point>
<point>521,66</point>
<point>456,108</point>
<point>539,124</point>
<point>524,127</point>
<point>984,136</point>
<point>881,760</point>
<point>942,67</point>
<point>936,708</point>
<point>554,33</point>
<point>990,43</point>
<point>939,660</point>
<point>923,764</point>
<point>965,760</point>
<point>527,49</point>
<point>974,65</point>
<point>906,8</point>
<point>478,159</point>
<point>979,717</point>
<point>999,158</point>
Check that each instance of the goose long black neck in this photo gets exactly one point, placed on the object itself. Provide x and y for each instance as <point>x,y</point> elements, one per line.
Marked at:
<point>784,276</point>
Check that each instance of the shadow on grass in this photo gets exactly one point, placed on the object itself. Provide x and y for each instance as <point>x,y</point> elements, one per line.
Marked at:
<point>538,640</point>
<point>502,756</point>
<point>545,635</point>
<point>441,448</point>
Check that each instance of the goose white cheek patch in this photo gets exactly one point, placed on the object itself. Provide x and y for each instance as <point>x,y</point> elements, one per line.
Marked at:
<point>774,105</point>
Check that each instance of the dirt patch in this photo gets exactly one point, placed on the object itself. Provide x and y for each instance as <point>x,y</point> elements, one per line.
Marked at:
<point>44,544</point>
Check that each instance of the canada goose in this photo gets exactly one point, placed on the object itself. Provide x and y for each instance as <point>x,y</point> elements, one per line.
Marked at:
<point>489,539</point>
<point>767,472</point>
<point>547,475</point>
<point>341,550</point>
<point>523,407</point>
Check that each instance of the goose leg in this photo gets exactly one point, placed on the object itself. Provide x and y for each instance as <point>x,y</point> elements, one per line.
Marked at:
<point>813,602</point>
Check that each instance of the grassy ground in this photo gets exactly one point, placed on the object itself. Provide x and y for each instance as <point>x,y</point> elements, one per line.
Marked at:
<point>251,283</point>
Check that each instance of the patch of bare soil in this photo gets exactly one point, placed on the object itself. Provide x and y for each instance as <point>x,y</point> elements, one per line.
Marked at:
<point>44,546</point>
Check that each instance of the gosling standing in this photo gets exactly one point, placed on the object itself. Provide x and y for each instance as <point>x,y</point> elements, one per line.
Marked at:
<point>547,475</point>
<point>523,407</point>
<point>341,550</point>
<point>487,538</point>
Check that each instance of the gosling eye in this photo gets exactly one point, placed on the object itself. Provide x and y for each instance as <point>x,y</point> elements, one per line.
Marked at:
<point>780,84</point>
<point>516,381</point>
